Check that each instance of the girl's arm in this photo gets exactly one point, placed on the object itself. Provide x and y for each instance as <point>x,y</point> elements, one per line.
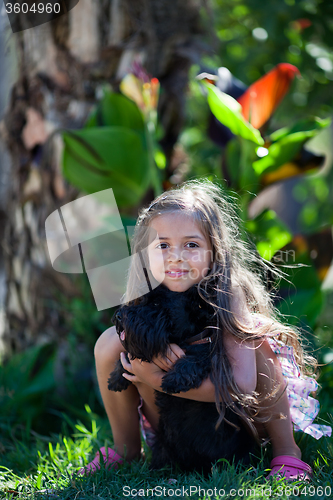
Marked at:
<point>243,364</point>
<point>151,375</point>
<point>242,354</point>
<point>242,357</point>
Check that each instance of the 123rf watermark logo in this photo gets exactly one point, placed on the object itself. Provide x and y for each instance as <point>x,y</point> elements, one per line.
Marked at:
<point>26,14</point>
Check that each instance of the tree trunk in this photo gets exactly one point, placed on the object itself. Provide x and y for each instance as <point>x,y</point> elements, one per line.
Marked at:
<point>62,66</point>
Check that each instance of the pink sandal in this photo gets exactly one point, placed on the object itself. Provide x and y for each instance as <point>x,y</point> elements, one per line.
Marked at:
<point>291,468</point>
<point>110,458</point>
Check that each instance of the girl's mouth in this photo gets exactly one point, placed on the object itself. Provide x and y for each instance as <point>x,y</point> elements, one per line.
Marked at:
<point>176,274</point>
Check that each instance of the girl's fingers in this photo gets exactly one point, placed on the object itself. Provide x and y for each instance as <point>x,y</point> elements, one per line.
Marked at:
<point>166,362</point>
<point>175,352</point>
<point>161,363</point>
<point>142,372</point>
<point>126,364</point>
<point>128,367</point>
<point>131,378</point>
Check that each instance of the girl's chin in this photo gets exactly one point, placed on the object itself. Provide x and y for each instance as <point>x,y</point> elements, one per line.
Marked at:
<point>178,285</point>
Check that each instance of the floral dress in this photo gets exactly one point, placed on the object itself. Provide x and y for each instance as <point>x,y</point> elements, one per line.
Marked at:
<point>303,407</point>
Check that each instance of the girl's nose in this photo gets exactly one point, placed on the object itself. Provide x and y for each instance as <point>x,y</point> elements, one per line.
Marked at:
<point>175,254</point>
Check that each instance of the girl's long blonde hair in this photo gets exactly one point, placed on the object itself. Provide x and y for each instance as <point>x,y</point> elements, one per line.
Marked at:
<point>236,265</point>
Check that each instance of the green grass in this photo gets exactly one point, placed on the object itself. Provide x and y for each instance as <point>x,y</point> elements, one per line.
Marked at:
<point>38,468</point>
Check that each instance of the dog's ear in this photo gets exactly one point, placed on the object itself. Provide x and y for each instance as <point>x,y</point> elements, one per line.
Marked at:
<point>117,320</point>
<point>116,381</point>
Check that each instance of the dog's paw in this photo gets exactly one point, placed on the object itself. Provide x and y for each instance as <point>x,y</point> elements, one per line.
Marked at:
<point>186,374</point>
<point>173,383</point>
<point>117,382</point>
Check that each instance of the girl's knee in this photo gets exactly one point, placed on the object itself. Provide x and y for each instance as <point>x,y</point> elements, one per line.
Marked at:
<point>108,346</point>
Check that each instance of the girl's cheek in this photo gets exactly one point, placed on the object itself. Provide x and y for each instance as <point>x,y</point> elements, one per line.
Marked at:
<point>157,266</point>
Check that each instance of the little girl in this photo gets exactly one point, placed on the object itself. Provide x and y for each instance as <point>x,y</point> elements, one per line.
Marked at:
<point>197,234</point>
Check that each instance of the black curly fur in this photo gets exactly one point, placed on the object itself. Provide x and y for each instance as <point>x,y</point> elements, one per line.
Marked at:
<point>186,435</point>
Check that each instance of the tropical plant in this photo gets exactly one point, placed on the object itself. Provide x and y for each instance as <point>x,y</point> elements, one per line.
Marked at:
<point>25,384</point>
<point>251,163</point>
<point>117,146</point>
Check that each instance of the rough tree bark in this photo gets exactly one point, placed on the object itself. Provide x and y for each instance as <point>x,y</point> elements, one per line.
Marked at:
<point>62,66</point>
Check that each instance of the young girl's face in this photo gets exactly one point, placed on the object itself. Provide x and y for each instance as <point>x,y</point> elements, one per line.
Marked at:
<point>180,255</point>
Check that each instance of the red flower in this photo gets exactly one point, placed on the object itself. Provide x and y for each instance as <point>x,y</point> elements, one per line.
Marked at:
<point>142,89</point>
<point>262,98</point>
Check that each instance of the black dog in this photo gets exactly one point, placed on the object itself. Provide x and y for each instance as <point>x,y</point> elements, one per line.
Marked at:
<point>186,435</point>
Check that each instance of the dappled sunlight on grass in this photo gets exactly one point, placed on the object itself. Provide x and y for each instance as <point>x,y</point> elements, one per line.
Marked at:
<point>51,466</point>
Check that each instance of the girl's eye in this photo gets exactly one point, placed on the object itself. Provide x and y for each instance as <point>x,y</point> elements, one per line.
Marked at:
<point>162,245</point>
<point>191,244</point>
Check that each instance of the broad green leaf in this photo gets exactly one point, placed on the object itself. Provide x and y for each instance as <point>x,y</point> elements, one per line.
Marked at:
<point>116,110</point>
<point>107,157</point>
<point>287,142</point>
<point>269,232</point>
<point>92,120</point>
<point>282,151</point>
<point>308,125</point>
<point>228,111</point>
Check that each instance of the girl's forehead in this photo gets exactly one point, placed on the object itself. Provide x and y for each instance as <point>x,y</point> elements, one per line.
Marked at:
<point>180,224</point>
<point>175,220</point>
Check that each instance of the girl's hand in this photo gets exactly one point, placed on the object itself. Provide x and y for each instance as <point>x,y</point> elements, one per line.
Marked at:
<point>146,373</point>
<point>151,373</point>
<point>174,352</point>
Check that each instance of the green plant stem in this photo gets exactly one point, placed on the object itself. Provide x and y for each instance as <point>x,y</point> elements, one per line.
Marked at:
<point>244,167</point>
<point>150,131</point>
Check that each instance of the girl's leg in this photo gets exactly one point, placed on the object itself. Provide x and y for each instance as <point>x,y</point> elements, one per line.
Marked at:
<point>279,426</point>
<point>121,407</point>
<point>149,407</point>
